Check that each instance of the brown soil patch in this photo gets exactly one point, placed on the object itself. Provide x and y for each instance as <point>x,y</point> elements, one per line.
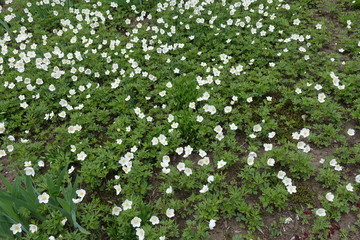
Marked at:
<point>8,174</point>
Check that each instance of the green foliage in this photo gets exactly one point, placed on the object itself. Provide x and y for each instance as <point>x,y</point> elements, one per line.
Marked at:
<point>160,92</point>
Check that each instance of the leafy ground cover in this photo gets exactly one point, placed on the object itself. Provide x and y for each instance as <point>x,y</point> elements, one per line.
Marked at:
<point>173,119</point>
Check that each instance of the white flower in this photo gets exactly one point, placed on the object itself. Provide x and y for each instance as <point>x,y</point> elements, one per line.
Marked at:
<point>301,145</point>
<point>211,178</point>
<point>351,132</point>
<point>140,233</point>
<point>202,153</point>
<point>288,220</point>
<point>220,136</point>
<point>63,221</point>
<point>2,127</point>
<point>73,148</point>
<point>218,129</point>
<point>2,153</point>
<point>16,228</point>
<point>298,90</point>
<point>127,204</point>
<point>271,134</point>
<point>268,146</point>
<point>41,163</point>
<point>27,164</point>
<point>188,150</point>
<point>338,168</point>
<point>305,132</point>
<point>281,174</point>
<point>227,109</point>
<point>257,128</point>
<point>71,169</point>
<point>52,88</point>
<point>118,189</point>
<point>333,162</point>
<point>221,164</point>
<point>204,189</point>
<point>321,212</point>
<point>10,148</point>
<point>295,136</point>
<point>212,224</point>
<point>287,181</point>
<point>154,220</point>
<point>170,213</point>
<point>136,222</point>
<point>306,149</point>
<point>154,141</point>
<point>321,97</point>
<point>33,228</point>
<point>296,22</point>
<point>169,190</point>
<point>271,162</point>
<point>179,150</point>
<point>180,166</point>
<point>199,118</point>
<point>349,187</point>
<point>76,200</point>
<point>81,193</point>
<point>357,178</point>
<point>329,196</point>
<point>291,189</point>
<point>24,105</point>
<point>250,160</point>
<point>62,114</point>
<point>71,129</point>
<point>43,198</point>
<point>188,171</point>
<point>116,210</point>
<point>233,126</point>
<point>81,156</point>
<point>29,171</point>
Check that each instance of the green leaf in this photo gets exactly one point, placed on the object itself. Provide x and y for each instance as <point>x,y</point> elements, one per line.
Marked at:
<point>64,204</point>
<point>6,183</point>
